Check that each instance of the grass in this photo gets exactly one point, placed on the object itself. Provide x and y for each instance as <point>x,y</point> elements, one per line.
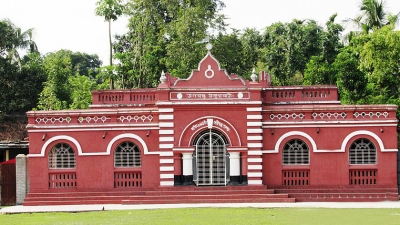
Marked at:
<point>220,216</point>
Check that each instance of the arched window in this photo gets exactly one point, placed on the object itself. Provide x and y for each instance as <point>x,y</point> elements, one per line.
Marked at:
<point>127,154</point>
<point>295,152</point>
<point>62,156</point>
<point>362,151</point>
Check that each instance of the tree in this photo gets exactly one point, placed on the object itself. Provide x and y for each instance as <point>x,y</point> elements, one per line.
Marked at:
<point>373,16</point>
<point>319,70</point>
<point>163,35</point>
<point>287,49</point>
<point>110,10</point>
<point>14,39</point>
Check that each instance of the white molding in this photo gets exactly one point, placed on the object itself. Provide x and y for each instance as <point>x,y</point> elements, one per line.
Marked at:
<point>50,129</point>
<point>166,161</point>
<point>166,146</point>
<point>166,132</point>
<point>236,149</point>
<point>254,131</point>
<point>211,103</point>
<point>166,168</point>
<point>165,110</point>
<point>166,124</point>
<point>254,160</point>
<point>254,167</point>
<point>254,174</point>
<point>254,117</point>
<point>254,109</point>
<point>166,139</point>
<point>133,136</point>
<point>254,124</point>
<point>333,123</point>
<point>51,140</point>
<point>292,133</point>
<point>369,133</point>
<point>166,176</point>
<point>254,182</point>
<point>210,117</point>
<point>257,153</point>
<point>166,117</point>
<point>184,149</point>
<point>254,145</point>
<point>166,154</point>
<point>254,138</point>
<point>166,183</point>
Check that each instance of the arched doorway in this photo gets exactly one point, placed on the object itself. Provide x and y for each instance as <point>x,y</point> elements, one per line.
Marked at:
<point>211,160</point>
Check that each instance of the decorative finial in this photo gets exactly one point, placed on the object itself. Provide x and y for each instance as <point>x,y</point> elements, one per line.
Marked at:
<point>163,78</point>
<point>209,46</point>
<point>206,40</point>
<point>254,75</point>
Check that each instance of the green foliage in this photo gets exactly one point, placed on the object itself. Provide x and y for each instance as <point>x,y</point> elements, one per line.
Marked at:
<point>62,89</point>
<point>109,9</point>
<point>288,47</point>
<point>163,35</point>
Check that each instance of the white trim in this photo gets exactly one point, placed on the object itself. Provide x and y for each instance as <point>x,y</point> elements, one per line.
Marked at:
<point>166,132</point>
<point>254,109</point>
<point>51,140</point>
<point>165,110</point>
<point>211,103</point>
<point>254,124</point>
<point>330,123</point>
<point>258,153</point>
<point>166,146</point>
<point>95,128</point>
<point>254,160</point>
<point>166,117</point>
<point>166,168</point>
<point>292,133</point>
<point>254,117</point>
<point>210,117</point>
<point>254,167</point>
<point>254,174</point>
<point>254,131</point>
<point>166,124</point>
<point>133,136</point>
<point>369,133</point>
<point>166,161</point>
<point>166,154</point>
<point>254,182</point>
<point>166,183</point>
<point>166,176</point>
<point>184,149</point>
<point>255,145</point>
<point>236,149</point>
<point>166,139</point>
<point>254,138</point>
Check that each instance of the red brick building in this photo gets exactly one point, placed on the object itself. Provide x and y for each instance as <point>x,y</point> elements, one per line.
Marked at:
<point>215,129</point>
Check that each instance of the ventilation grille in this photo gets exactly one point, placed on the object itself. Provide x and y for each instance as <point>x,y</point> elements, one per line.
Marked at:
<point>127,179</point>
<point>62,180</point>
<point>296,177</point>
<point>363,177</point>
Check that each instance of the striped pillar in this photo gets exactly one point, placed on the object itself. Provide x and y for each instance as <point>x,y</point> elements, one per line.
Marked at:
<point>255,145</point>
<point>166,143</point>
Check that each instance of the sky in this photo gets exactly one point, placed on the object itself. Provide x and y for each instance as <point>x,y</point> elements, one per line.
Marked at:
<point>73,25</point>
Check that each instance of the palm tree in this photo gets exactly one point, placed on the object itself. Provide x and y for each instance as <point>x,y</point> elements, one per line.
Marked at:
<point>373,16</point>
<point>110,10</point>
<point>16,40</point>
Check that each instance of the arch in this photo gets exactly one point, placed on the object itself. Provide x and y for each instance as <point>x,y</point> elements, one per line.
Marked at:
<point>293,133</point>
<point>56,138</point>
<point>202,122</point>
<point>133,136</point>
<point>368,133</point>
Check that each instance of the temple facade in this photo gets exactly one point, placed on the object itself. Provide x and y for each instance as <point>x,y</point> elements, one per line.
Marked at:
<point>215,129</point>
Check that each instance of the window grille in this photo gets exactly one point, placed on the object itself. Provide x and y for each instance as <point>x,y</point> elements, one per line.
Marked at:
<point>295,152</point>
<point>127,154</point>
<point>362,151</point>
<point>62,156</point>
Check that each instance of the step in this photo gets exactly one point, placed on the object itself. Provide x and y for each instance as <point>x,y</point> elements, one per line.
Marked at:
<point>208,192</point>
<point>191,201</point>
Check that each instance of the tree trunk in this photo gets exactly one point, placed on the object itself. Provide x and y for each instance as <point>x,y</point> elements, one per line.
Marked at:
<point>111,62</point>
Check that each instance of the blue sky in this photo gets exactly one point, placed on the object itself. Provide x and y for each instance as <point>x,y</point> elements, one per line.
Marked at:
<point>73,25</point>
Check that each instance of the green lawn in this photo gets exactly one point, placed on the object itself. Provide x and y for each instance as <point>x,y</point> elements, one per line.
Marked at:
<point>192,216</point>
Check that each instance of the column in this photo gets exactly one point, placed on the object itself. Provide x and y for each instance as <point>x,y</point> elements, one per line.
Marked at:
<point>21,177</point>
<point>254,144</point>
<point>166,143</point>
<point>187,168</point>
<point>234,168</point>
